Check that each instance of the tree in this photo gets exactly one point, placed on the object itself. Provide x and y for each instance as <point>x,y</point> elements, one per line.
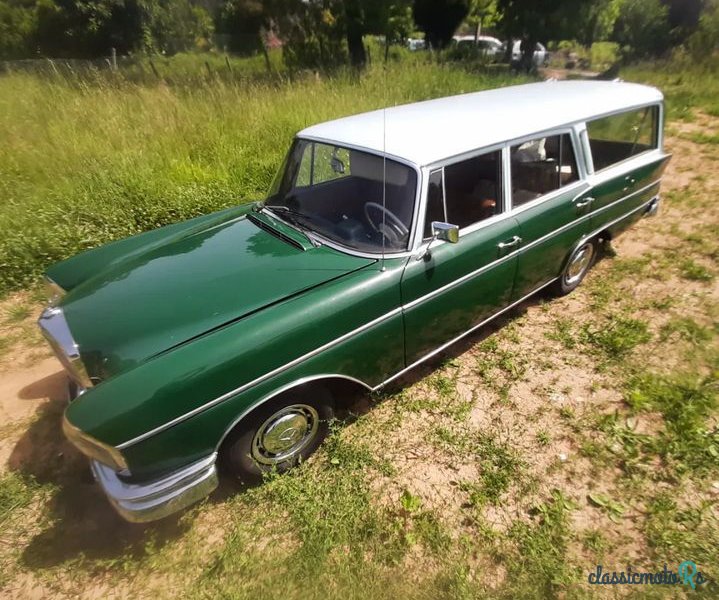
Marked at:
<point>175,25</point>
<point>539,20</point>
<point>17,28</point>
<point>439,19</point>
<point>86,29</point>
<point>482,13</point>
<point>243,21</point>
<point>642,28</point>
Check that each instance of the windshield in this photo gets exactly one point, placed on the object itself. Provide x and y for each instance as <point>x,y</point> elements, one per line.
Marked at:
<point>338,193</point>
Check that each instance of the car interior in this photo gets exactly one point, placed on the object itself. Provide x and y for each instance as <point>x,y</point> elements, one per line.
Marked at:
<point>366,204</point>
<point>541,166</point>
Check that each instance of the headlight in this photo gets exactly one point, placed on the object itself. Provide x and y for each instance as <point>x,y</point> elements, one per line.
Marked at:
<point>54,327</point>
<point>95,449</point>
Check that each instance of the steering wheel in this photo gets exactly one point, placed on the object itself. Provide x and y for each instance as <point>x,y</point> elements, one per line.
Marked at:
<point>390,227</point>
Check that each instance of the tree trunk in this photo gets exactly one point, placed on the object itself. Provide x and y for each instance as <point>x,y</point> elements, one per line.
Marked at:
<point>358,56</point>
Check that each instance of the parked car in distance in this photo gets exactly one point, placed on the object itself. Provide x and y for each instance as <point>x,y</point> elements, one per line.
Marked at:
<point>488,46</point>
<point>230,340</point>
<point>540,57</point>
<point>414,44</point>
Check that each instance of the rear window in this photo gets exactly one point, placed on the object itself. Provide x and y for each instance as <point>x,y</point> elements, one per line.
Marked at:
<point>619,137</point>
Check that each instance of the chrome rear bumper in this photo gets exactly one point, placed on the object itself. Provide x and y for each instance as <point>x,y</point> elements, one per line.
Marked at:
<point>156,499</point>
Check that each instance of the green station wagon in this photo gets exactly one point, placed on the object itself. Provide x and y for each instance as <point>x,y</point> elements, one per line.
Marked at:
<point>230,339</point>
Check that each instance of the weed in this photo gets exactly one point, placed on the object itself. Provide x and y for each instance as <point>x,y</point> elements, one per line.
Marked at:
<point>616,338</point>
<point>18,313</point>
<point>544,438</point>
<point>687,329</point>
<point>688,443</point>
<point>563,332</point>
<point>16,492</point>
<point>694,271</point>
<point>499,468</point>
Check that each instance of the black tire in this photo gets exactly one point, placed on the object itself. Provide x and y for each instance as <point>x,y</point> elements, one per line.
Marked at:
<point>244,454</point>
<point>576,267</point>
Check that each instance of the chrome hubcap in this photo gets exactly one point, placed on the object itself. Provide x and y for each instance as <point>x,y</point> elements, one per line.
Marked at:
<point>579,264</point>
<point>285,434</point>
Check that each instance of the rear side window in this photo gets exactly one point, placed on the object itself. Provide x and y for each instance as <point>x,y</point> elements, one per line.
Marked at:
<point>541,166</point>
<point>618,137</point>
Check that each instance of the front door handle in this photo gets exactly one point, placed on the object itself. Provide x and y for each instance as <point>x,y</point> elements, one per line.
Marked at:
<point>584,203</point>
<point>630,181</point>
<point>515,241</point>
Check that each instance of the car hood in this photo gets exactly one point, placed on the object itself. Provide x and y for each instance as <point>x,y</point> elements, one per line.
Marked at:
<point>189,284</point>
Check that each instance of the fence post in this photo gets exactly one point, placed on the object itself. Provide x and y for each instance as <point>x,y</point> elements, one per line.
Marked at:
<point>113,58</point>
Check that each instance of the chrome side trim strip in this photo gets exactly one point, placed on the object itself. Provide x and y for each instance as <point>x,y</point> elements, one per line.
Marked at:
<point>459,337</point>
<point>521,249</point>
<point>590,215</point>
<point>258,380</point>
<point>378,320</point>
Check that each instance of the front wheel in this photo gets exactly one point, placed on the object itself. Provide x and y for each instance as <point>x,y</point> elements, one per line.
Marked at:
<point>279,434</point>
<point>577,266</point>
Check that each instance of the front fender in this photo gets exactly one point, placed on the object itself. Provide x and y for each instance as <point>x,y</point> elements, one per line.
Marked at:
<point>176,407</point>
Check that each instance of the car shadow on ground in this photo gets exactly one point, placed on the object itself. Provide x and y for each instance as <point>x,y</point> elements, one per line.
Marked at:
<point>78,521</point>
<point>363,402</point>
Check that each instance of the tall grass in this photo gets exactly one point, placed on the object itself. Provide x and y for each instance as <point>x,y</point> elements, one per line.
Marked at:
<point>85,160</point>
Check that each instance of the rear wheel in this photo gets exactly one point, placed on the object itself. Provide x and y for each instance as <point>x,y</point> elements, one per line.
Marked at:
<point>577,266</point>
<point>279,434</point>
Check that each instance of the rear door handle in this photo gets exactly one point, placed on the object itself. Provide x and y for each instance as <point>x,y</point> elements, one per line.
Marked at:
<point>515,241</point>
<point>584,202</point>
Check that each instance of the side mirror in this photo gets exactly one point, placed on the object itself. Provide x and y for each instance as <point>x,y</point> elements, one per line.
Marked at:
<point>440,231</point>
<point>445,232</point>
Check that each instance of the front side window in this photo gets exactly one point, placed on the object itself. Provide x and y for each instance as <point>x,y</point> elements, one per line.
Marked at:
<point>473,189</point>
<point>466,192</point>
<point>348,196</point>
<point>541,166</point>
<point>615,138</point>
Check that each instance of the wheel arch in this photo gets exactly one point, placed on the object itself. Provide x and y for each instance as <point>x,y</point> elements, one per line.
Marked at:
<point>336,383</point>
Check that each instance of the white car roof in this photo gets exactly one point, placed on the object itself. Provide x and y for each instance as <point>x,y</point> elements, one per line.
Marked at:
<point>427,132</point>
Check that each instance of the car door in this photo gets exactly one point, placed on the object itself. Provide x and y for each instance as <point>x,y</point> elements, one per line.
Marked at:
<point>454,287</point>
<point>626,161</point>
<point>550,198</point>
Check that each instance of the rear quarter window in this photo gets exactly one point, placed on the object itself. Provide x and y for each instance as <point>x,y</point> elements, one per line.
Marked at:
<point>618,137</point>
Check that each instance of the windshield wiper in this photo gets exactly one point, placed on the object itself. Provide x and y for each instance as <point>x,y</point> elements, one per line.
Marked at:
<point>293,217</point>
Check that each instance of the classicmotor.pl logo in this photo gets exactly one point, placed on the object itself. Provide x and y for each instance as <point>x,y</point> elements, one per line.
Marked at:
<point>687,573</point>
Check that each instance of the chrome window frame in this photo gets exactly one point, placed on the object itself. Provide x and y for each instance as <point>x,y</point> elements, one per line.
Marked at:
<point>413,230</point>
<point>560,191</point>
<point>659,132</point>
<point>440,165</point>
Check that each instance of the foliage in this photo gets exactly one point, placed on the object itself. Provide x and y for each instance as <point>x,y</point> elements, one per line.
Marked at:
<point>703,44</point>
<point>482,13</point>
<point>439,19</point>
<point>175,25</point>
<point>642,28</point>
<point>87,29</point>
<point>17,26</point>
<point>243,22</point>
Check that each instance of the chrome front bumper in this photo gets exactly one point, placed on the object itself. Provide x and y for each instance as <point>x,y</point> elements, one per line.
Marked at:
<point>156,499</point>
